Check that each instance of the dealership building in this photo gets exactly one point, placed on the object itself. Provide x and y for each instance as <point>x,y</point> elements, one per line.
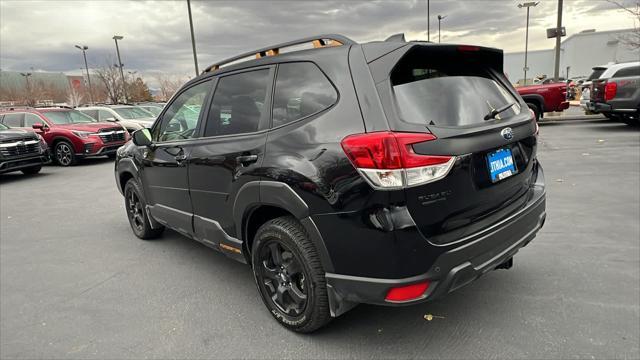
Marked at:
<point>580,52</point>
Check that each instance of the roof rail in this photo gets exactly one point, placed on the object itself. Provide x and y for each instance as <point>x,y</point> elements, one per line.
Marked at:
<point>318,41</point>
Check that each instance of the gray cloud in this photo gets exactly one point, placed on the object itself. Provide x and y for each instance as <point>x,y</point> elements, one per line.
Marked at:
<point>42,34</point>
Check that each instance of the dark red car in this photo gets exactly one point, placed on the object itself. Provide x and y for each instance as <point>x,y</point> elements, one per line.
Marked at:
<point>70,134</point>
<point>545,97</point>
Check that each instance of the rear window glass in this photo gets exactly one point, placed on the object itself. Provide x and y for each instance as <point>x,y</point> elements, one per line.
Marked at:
<point>630,71</point>
<point>443,91</point>
<point>596,73</point>
<point>133,113</point>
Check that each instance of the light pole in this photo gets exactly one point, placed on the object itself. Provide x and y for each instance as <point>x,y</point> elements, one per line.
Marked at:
<point>26,77</point>
<point>526,39</point>
<point>556,71</point>
<point>84,48</point>
<point>120,65</point>
<point>428,23</point>
<point>193,39</point>
<point>440,18</point>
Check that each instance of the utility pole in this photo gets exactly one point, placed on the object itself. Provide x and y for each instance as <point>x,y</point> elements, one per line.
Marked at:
<point>428,23</point>
<point>84,48</point>
<point>28,88</point>
<point>121,65</point>
<point>556,72</point>
<point>526,39</point>
<point>193,39</point>
<point>440,18</point>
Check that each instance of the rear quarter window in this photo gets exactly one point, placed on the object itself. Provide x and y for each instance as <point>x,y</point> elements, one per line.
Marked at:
<point>301,90</point>
<point>626,72</point>
<point>13,119</point>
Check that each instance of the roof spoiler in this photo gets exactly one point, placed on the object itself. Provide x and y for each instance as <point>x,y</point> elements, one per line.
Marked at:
<point>396,38</point>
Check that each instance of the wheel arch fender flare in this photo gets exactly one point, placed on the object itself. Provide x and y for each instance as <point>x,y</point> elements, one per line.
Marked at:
<point>537,99</point>
<point>278,194</point>
<point>125,166</point>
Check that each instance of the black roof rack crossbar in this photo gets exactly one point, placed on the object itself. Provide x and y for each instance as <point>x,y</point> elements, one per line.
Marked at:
<point>318,41</point>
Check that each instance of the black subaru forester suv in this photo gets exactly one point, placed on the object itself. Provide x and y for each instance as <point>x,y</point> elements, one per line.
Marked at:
<point>385,173</point>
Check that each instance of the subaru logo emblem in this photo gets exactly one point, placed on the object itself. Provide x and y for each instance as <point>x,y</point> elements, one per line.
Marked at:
<point>507,133</point>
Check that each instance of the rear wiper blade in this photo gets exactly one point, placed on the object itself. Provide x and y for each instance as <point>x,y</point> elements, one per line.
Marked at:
<point>494,112</point>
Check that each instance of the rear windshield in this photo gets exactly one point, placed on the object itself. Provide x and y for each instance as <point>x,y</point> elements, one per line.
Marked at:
<point>596,73</point>
<point>447,92</point>
<point>133,113</point>
<point>67,117</point>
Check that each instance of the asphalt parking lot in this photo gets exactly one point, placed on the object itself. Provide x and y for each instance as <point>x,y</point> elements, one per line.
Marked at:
<point>76,283</point>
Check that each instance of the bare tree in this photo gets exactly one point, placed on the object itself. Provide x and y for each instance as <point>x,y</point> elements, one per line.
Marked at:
<point>168,85</point>
<point>74,97</point>
<point>631,40</point>
<point>109,75</point>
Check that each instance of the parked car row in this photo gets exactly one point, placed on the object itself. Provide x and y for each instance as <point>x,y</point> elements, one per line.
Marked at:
<point>614,91</point>
<point>68,133</point>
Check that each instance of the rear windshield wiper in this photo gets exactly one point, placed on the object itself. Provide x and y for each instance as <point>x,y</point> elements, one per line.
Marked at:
<point>494,112</point>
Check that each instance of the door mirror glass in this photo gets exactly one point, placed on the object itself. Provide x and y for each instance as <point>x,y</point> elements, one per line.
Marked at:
<point>142,137</point>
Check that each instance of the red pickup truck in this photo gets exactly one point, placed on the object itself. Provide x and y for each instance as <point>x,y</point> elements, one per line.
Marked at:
<point>545,98</point>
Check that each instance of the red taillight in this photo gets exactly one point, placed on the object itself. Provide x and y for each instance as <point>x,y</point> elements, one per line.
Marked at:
<point>407,293</point>
<point>388,161</point>
<point>468,48</point>
<point>610,90</point>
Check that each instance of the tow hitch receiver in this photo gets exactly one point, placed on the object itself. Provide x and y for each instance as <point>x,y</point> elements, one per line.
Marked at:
<point>506,265</point>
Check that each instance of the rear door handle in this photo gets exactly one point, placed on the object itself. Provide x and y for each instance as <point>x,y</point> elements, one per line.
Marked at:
<point>180,158</point>
<point>247,159</point>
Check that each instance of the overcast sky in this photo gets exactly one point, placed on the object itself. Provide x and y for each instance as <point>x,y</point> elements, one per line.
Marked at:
<point>42,34</point>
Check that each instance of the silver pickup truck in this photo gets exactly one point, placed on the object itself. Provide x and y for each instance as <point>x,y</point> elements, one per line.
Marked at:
<point>618,96</point>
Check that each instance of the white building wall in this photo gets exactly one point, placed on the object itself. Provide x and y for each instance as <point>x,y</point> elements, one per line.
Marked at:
<point>580,51</point>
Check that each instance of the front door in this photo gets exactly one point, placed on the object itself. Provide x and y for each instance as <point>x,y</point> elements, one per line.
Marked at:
<point>164,172</point>
<point>230,151</point>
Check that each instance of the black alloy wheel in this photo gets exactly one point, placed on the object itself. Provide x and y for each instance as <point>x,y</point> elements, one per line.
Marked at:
<point>283,278</point>
<point>134,210</point>
<point>135,206</point>
<point>290,276</point>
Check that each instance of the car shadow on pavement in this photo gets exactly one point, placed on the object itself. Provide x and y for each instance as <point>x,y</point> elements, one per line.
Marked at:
<point>19,176</point>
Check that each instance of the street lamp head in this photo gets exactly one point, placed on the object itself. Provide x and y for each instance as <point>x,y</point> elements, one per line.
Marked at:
<point>83,47</point>
<point>118,37</point>
<point>440,17</point>
<point>528,4</point>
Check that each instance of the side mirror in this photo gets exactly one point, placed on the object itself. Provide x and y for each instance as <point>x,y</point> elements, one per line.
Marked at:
<point>38,126</point>
<point>142,137</point>
<point>111,119</point>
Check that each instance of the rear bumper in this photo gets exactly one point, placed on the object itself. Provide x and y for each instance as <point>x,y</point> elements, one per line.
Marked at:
<point>563,106</point>
<point>455,268</point>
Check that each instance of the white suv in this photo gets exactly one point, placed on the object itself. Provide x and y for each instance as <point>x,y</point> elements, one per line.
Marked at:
<point>131,117</point>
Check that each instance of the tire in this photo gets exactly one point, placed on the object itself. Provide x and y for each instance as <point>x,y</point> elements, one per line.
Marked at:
<point>135,205</point>
<point>292,284</point>
<point>64,154</point>
<point>535,109</point>
<point>32,170</point>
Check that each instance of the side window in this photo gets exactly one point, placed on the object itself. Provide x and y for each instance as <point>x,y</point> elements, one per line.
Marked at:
<point>30,119</point>
<point>104,115</point>
<point>630,71</point>
<point>301,90</point>
<point>238,103</point>
<point>13,119</point>
<point>181,118</point>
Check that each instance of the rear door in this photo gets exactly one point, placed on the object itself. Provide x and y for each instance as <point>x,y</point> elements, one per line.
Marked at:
<point>455,93</point>
<point>164,171</point>
<point>229,151</point>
